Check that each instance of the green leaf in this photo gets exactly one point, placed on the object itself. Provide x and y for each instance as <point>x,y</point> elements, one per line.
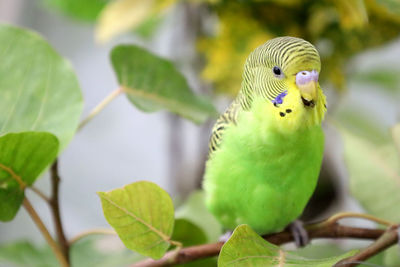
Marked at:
<point>24,253</point>
<point>86,10</point>
<point>105,251</point>
<point>196,211</point>
<point>320,251</point>
<point>391,257</point>
<point>147,28</point>
<point>23,156</point>
<point>92,251</point>
<point>367,126</point>
<point>142,214</point>
<point>396,136</point>
<point>392,6</point>
<point>120,16</point>
<point>385,78</point>
<point>333,248</point>
<point>374,174</point>
<point>153,83</point>
<point>353,14</point>
<point>246,248</point>
<point>188,233</point>
<point>209,262</point>
<point>38,88</point>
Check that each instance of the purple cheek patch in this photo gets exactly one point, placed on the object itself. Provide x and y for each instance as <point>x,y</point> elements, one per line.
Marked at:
<point>279,98</point>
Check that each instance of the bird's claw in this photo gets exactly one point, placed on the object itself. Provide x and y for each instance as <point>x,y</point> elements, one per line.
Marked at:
<point>300,234</point>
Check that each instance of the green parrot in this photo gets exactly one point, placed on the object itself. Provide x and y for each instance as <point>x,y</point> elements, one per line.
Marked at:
<point>266,149</point>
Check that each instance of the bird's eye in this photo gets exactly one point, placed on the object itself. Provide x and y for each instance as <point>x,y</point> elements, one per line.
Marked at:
<point>277,71</point>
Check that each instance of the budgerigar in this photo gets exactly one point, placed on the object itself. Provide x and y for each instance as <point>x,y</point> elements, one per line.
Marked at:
<point>266,149</point>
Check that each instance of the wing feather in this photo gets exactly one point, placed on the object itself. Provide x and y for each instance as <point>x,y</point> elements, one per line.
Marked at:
<point>227,119</point>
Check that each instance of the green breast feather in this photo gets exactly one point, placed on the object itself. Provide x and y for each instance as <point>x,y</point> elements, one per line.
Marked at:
<point>261,177</point>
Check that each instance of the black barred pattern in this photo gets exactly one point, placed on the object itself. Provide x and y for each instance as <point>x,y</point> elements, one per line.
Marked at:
<point>282,52</point>
<point>259,80</point>
<point>229,117</point>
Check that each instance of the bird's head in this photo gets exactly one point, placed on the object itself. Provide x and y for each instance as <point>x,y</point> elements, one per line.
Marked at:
<point>282,66</point>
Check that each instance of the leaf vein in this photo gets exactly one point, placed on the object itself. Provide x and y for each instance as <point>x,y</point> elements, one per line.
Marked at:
<point>18,178</point>
<point>159,233</point>
<point>167,102</point>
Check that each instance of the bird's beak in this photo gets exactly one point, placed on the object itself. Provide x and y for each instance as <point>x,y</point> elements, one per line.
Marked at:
<point>307,82</point>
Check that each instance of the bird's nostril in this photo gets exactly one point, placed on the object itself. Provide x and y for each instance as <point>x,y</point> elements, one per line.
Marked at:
<point>304,76</point>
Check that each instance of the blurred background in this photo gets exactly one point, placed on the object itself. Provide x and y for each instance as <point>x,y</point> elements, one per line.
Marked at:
<point>209,41</point>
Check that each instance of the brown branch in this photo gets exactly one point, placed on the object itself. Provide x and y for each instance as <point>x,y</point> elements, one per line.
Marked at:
<point>38,192</point>
<point>323,229</point>
<point>55,210</point>
<point>98,231</point>
<point>39,223</point>
<point>389,238</point>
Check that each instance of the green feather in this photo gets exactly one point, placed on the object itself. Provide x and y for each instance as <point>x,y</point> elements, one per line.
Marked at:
<point>260,177</point>
<point>266,165</point>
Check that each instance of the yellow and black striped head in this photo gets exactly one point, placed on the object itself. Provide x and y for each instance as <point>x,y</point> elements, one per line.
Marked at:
<point>278,65</point>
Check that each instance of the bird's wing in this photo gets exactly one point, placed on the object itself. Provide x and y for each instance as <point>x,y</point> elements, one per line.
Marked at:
<point>227,119</point>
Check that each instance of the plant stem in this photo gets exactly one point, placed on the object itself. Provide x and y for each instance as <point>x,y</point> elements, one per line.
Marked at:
<point>55,208</point>
<point>91,232</point>
<point>38,192</point>
<point>317,230</point>
<point>100,106</point>
<point>386,240</point>
<point>177,244</point>
<point>369,217</point>
<point>39,223</point>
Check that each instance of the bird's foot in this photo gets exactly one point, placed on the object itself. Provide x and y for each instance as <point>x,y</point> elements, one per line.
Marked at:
<point>225,237</point>
<point>300,234</point>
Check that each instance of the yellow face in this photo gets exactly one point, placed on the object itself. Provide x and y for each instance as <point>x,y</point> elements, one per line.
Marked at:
<point>285,71</point>
<point>284,63</point>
